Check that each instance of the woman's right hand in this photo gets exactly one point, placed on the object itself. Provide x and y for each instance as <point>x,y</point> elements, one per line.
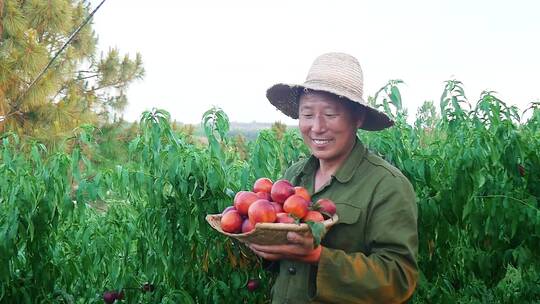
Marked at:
<point>299,247</point>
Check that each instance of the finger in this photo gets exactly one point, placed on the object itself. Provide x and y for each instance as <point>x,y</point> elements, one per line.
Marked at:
<point>270,248</point>
<point>282,250</point>
<point>267,256</point>
<point>304,240</point>
<point>294,238</point>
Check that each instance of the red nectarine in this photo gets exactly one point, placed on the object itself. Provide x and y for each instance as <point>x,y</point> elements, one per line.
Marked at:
<point>326,206</point>
<point>263,184</point>
<point>281,190</point>
<point>314,216</point>
<point>244,200</point>
<point>230,208</point>
<point>296,205</point>
<point>298,190</point>
<point>277,207</point>
<point>264,195</point>
<point>284,217</point>
<point>231,222</point>
<point>261,211</point>
<point>247,226</point>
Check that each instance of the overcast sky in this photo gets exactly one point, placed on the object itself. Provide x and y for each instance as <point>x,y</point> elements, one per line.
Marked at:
<point>227,53</point>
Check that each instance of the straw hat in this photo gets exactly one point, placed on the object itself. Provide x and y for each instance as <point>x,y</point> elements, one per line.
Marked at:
<point>336,73</point>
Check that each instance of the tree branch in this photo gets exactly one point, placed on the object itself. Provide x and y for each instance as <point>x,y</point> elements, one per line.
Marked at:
<point>114,84</point>
<point>86,77</point>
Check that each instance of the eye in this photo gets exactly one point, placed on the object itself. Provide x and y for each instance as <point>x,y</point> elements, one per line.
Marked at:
<point>307,115</point>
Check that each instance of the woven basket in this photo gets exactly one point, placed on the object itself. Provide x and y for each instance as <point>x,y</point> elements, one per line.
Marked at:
<point>267,233</point>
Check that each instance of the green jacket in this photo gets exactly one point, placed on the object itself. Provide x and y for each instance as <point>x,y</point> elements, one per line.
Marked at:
<point>370,255</point>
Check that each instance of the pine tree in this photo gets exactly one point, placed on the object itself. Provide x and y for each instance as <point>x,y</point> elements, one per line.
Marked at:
<point>79,87</point>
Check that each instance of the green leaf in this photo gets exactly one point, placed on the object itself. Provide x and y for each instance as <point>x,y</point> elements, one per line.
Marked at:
<point>317,230</point>
<point>513,227</point>
<point>467,209</point>
<point>395,96</point>
<point>236,280</point>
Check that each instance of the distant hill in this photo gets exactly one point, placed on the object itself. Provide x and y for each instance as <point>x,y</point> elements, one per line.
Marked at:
<point>249,130</point>
<point>247,126</point>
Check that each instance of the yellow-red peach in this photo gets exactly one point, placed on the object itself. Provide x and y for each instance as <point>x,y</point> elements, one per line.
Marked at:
<point>277,207</point>
<point>298,190</point>
<point>261,211</point>
<point>244,200</point>
<point>314,216</point>
<point>247,226</point>
<point>284,217</point>
<point>264,195</point>
<point>296,205</point>
<point>281,190</point>
<point>230,208</point>
<point>326,206</point>
<point>231,222</point>
<point>263,184</point>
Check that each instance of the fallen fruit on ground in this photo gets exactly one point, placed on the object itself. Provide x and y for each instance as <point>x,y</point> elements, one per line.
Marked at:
<point>253,284</point>
<point>148,287</point>
<point>120,295</point>
<point>109,297</point>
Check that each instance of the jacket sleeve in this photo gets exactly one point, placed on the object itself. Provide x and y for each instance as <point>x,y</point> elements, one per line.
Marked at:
<point>387,272</point>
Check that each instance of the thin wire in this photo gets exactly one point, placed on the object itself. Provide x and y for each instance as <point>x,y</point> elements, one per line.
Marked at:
<point>71,37</point>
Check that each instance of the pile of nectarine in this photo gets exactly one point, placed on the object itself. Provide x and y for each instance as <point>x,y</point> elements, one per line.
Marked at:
<point>269,202</point>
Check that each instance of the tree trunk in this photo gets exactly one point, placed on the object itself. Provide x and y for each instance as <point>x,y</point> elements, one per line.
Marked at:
<point>1,20</point>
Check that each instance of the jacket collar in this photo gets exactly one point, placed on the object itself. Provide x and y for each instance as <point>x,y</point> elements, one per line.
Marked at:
<point>347,169</point>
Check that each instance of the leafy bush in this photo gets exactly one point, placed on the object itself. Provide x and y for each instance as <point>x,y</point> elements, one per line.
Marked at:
<point>71,230</point>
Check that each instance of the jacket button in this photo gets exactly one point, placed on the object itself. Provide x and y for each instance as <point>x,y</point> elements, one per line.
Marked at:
<point>292,270</point>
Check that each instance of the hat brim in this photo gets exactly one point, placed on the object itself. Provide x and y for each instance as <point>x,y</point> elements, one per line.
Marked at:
<point>285,97</point>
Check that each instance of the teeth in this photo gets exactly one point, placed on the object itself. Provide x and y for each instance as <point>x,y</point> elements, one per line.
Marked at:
<point>321,141</point>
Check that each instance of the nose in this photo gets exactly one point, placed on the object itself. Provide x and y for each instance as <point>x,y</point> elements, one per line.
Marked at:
<point>319,124</point>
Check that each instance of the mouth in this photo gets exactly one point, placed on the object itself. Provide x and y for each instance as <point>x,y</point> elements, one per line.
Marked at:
<point>321,142</point>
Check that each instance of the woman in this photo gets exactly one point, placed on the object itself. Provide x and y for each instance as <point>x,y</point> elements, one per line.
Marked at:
<point>370,255</point>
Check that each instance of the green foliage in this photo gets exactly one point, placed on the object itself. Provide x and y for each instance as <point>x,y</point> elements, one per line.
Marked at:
<point>86,216</point>
<point>74,231</point>
<point>475,175</point>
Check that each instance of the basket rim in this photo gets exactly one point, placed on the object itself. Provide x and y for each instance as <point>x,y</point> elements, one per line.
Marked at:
<point>211,218</point>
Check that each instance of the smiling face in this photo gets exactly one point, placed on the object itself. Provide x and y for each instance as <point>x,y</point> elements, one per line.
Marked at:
<point>328,126</point>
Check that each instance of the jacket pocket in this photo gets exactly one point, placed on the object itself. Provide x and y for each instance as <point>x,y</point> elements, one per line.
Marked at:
<point>348,213</point>
<point>348,234</point>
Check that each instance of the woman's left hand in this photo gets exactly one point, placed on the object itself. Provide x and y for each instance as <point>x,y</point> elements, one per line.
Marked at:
<point>300,247</point>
